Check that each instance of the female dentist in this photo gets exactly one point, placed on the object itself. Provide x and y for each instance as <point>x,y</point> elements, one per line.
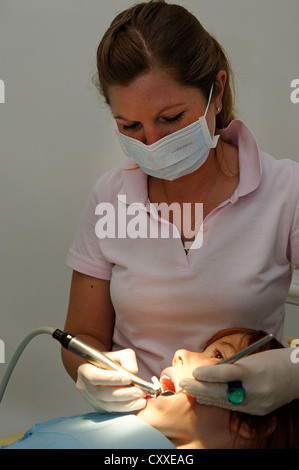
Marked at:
<point>168,84</point>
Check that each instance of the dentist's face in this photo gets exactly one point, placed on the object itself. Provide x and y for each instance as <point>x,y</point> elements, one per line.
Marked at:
<point>178,415</point>
<point>154,105</point>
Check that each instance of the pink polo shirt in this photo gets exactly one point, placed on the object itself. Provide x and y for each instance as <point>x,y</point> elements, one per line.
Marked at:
<point>240,275</point>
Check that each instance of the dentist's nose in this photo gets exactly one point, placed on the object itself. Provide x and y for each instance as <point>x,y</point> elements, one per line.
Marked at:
<point>151,135</point>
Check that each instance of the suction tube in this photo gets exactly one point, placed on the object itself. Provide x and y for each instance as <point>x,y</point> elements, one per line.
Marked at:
<point>38,331</point>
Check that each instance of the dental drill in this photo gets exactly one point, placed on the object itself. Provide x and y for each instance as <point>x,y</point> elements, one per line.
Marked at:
<point>92,355</point>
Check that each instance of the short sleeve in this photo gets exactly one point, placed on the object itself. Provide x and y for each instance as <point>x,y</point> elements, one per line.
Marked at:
<point>85,254</point>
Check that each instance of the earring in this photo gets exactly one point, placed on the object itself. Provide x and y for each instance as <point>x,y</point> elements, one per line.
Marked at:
<point>218,109</point>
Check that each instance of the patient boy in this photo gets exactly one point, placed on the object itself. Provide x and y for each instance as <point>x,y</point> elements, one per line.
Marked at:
<point>177,421</point>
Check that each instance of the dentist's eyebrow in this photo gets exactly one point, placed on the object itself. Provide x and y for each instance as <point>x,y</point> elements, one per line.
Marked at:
<point>169,107</point>
<point>166,108</point>
<point>123,118</point>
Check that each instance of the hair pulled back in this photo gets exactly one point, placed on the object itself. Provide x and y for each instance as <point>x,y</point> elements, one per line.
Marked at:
<point>155,34</point>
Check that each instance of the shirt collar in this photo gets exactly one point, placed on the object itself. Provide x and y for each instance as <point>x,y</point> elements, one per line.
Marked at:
<point>240,136</point>
<point>134,180</point>
<point>134,183</point>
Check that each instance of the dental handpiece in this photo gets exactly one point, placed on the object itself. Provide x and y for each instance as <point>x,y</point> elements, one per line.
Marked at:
<point>99,359</point>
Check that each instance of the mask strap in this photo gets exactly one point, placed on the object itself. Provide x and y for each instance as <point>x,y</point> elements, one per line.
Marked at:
<point>209,101</point>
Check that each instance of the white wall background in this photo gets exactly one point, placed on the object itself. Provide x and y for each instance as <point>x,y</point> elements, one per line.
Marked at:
<point>57,139</point>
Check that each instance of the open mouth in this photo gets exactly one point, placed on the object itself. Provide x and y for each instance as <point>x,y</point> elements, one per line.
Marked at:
<point>167,383</point>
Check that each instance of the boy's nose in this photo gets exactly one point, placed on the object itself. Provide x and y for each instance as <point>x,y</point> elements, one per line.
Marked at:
<point>181,357</point>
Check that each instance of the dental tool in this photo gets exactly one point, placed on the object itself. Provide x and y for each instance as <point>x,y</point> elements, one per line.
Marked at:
<point>75,345</point>
<point>252,347</point>
<point>168,393</point>
<point>165,393</point>
<point>99,359</point>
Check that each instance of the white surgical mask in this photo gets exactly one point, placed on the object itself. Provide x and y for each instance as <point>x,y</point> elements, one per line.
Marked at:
<point>176,154</point>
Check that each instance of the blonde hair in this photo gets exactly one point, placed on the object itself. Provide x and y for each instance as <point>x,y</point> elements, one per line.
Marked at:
<point>155,34</point>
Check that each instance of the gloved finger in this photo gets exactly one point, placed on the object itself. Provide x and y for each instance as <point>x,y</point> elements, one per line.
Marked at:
<point>118,394</point>
<point>252,408</point>
<point>225,404</point>
<point>215,392</point>
<point>126,358</point>
<point>211,394</point>
<point>120,407</point>
<point>96,376</point>
<point>222,373</point>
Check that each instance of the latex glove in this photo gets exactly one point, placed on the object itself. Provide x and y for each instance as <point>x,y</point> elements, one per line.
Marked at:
<point>108,391</point>
<point>270,380</point>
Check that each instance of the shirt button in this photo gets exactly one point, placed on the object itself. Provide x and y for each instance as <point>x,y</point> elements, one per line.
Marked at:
<point>203,227</point>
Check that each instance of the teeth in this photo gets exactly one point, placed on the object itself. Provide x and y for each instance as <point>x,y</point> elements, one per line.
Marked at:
<point>166,377</point>
<point>167,384</point>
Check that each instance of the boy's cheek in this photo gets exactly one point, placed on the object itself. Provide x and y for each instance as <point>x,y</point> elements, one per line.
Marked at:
<point>190,399</point>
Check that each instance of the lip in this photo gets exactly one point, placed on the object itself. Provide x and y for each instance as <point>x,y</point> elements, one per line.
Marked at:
<point>167,382</point>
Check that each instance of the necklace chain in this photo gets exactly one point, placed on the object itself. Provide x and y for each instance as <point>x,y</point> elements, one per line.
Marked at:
<point>207,194</point>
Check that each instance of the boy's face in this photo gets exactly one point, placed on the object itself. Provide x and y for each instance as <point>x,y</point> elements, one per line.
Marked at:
<point>179,415</point>
<point>184,362</point>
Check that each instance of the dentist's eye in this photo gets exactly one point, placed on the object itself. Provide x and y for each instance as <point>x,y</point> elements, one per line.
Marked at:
<point>174,118</point>
<point>130,127</point>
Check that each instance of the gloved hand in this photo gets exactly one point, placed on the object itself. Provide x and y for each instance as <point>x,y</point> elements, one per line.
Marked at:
<point>107,390</point>
<point>270,380</point>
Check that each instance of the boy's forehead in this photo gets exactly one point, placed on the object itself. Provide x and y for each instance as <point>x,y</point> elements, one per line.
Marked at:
<point>237,341</point>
